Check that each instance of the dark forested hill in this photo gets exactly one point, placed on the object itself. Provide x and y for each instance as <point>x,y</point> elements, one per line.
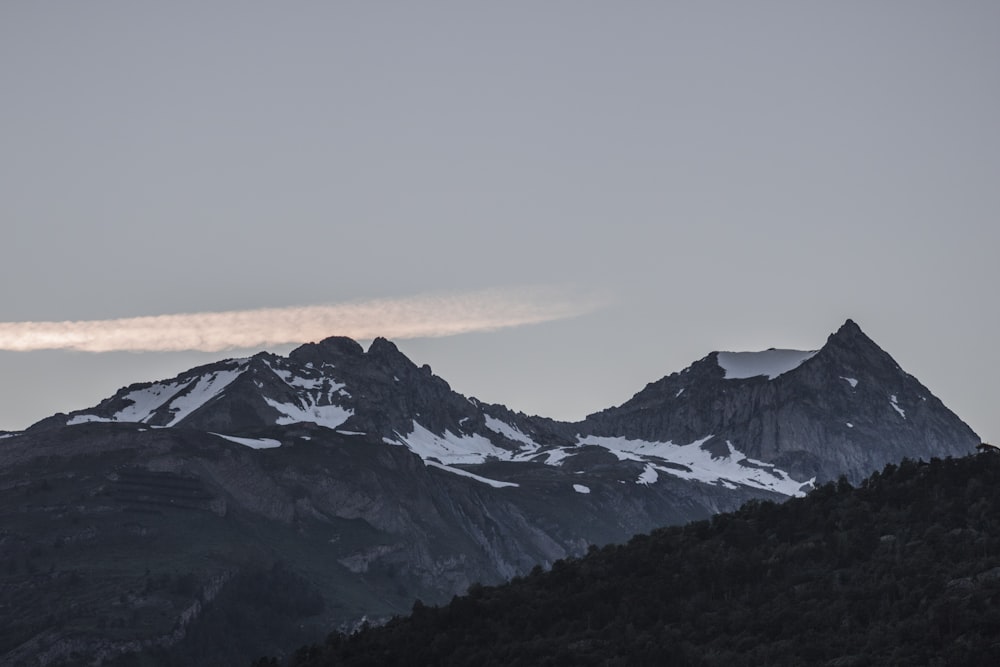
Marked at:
<point>903,570</point>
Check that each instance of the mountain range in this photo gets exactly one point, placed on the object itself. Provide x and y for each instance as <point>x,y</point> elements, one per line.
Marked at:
<point>373,484</point>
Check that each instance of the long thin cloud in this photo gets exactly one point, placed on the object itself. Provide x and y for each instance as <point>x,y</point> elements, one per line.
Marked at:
<point>423,316</point>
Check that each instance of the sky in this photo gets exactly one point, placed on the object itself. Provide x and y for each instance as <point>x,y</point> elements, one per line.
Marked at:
<point>551,203</point>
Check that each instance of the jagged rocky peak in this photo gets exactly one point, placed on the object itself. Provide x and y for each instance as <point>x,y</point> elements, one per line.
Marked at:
<point>328,350</point>
<point>387,356</point>
<point>385,348</point>
<point>707,372</point>
<point>350,358</point>
<point>847,408</point>
<point>850,336</point>
<point>848,344</point>
<point>849,330</point>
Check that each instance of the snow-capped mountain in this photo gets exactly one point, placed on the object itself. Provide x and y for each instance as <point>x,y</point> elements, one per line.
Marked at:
<point>380,484</point>
<point>776,420</point>
<point>381,395</point>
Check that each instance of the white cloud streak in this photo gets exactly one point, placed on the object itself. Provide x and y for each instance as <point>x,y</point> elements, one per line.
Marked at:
<point>422,316</point>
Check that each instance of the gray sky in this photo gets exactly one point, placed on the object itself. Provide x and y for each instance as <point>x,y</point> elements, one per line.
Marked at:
<point>675,177</point>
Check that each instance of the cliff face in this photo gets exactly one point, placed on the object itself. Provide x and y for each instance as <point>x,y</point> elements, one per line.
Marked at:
<point>846,410</point>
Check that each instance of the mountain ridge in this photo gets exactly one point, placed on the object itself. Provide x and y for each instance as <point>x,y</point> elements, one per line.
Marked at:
<point>810,415</point>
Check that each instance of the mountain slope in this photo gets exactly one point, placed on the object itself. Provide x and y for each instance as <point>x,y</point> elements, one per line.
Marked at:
<point>115,535</point>
<point>904,570</point>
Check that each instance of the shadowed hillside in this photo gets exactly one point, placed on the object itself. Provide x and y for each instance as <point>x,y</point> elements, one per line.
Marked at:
<point>903,570</point>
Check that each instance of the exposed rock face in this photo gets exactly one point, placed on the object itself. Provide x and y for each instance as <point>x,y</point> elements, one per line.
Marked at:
<point>847,410</point>
<point>372,477</point>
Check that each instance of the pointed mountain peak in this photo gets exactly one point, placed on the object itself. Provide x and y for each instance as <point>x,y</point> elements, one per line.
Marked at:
<point>386,354</point>
<point>850,335</point>
<point>389,357</point>
<point>849,330</point>
<point>382,347</point>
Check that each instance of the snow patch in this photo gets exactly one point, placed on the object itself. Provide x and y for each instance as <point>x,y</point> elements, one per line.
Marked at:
<point>253,443</point>
<point>580,488</point>
<point>694,463</point>
<point>450,448</point>
<point>509,431</point>
<point>849,424</point>
<point>145,402</point>
<point>679,392</point>
<point>497,484</point>
<point>205,389</point>
<point>851,381</point>
<point>648,476</point>
<point>772,363</point>
<point>555,456</point>
<point>183,397</point>
<point>330,416</point>
<point>76,420</point>
<point>299,382</point>
<point>895,405</point>
<point>315,399</point>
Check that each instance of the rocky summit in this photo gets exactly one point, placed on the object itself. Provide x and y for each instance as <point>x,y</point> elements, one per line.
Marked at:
<point>372,484</point>
<point>845,409</point>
